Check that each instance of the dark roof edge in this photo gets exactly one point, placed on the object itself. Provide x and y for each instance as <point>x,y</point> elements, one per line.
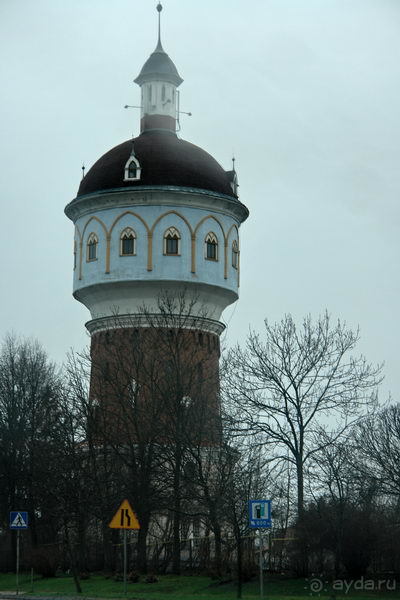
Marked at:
<point>170,188</point>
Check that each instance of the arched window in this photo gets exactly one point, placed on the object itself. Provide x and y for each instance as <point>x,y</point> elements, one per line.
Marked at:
<point>127,242</point>
<point>74,255</point>
<point>235,254</point>
<point>92,247</point>
<point>172,242</point>
<point>132,169</point>
<point>163,93</point>
<point>149,90</point>
<point>211,246</point>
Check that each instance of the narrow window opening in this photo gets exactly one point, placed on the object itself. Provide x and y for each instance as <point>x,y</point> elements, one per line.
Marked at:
<point>163,93</point>
<point>132,170</point>
<point>92,247</point>
<point>211,246</point>
<point>172,242</point>
<point>127,242</point>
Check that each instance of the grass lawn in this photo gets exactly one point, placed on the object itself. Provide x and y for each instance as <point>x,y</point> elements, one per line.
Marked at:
<point>170,587</point>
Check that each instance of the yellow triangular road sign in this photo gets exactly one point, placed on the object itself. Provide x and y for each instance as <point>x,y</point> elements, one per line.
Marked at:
<point>124,518</point>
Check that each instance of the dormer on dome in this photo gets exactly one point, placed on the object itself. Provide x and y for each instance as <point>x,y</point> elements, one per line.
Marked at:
<point>132,169</point>
<point>159,80</point>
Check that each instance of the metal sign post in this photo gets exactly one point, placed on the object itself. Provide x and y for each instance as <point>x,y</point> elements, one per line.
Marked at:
<point>260,518</point>
<point>17,565</point>
<point>125,518</point>
<point>125,561</point>
<point>18,521</point>
<point>261,566</point>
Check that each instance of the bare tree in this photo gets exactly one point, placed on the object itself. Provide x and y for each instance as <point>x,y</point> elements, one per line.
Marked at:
<point>297,383</point>
<point>378,441</point>
<point>30,391</point>
<point>153,393</point>
<point>182,370</point>
<point>249,480</point>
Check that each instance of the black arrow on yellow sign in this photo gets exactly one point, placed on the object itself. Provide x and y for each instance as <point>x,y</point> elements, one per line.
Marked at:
<point>124,514</point>
<point>124,518</point>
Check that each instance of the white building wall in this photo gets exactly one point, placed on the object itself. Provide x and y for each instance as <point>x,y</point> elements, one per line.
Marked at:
<point>187,221</point>
<point>156,104</point>
<point>122,284</point>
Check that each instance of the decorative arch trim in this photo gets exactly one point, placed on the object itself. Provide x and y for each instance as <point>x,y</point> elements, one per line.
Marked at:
<point>93,218</point>
<point>169,212</point>
<point>130,212</point>
<point>150,232</point>
<point>199,224</point>
<point>231,228</point>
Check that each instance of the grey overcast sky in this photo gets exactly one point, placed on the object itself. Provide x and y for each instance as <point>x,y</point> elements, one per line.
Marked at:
<point>304,92</point>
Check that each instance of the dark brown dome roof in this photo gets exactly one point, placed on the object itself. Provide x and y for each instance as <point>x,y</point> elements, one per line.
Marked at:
<point>164,159</point>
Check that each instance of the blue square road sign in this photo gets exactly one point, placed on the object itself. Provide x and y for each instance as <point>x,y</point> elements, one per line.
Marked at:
<point>260,514</point>
<point>18,519</point>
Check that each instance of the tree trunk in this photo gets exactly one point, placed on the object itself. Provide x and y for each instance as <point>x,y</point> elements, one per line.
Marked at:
<point>142,543</point>
<point>300,488</point>
<point>218,549</point>
<point>72,560</point>
<point>109,547</point>
<point>81,553</point>
<point>176,545</point>
<point>302,543</point>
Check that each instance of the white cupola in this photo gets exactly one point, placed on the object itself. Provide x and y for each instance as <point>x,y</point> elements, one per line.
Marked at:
<point>158,80</point>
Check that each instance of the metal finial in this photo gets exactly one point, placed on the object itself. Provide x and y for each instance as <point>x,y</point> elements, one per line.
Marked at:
<point>83,170</point>
<point>233,163</point>
<point>159,9</point>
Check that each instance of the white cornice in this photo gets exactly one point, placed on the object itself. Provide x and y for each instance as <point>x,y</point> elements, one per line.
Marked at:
<point>155,321</point>
<point>156,196</point>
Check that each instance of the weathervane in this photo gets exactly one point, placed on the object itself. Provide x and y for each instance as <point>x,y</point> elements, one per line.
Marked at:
<point>159,9</point>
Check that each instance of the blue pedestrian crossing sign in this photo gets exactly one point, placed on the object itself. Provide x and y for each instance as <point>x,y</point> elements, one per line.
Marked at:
<point>18,519</point>
<point>260,514</point>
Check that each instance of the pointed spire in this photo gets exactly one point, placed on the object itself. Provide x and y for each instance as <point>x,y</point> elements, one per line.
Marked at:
<point>159,66</point>
<point>159,47</point>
